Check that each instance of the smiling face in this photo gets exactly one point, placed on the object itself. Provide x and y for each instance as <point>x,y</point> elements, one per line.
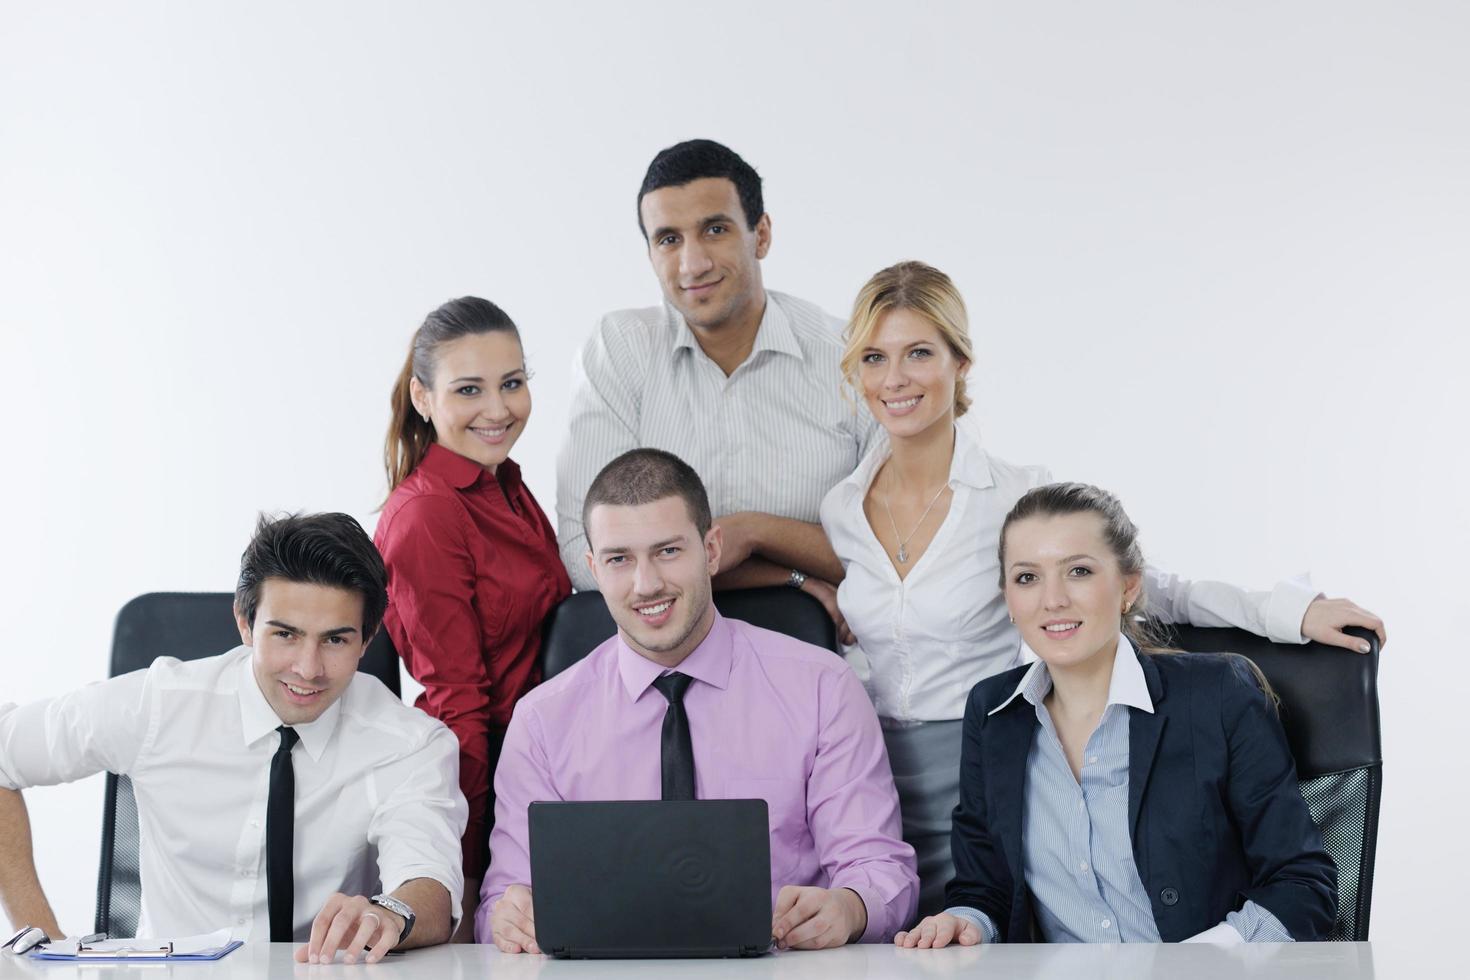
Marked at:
<point>908,374</point>
<point>308,640</point>
<point>479,402</point>
<point>706,255</point>
<point>1064,587</point>
<point>654,572</point>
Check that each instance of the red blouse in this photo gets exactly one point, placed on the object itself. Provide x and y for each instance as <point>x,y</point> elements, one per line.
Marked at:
<point>473,569</point>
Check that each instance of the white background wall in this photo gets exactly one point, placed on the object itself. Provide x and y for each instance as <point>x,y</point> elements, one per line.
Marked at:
<point>1215,256</point>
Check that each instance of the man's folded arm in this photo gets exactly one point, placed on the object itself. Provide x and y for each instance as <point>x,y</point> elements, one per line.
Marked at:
<point>607,379</point>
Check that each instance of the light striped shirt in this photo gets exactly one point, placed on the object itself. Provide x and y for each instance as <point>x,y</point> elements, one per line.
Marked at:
<point>1075,844</point>
<point>772,437</point>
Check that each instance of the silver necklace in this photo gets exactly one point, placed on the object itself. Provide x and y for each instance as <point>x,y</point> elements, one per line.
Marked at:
<point>903,553</point>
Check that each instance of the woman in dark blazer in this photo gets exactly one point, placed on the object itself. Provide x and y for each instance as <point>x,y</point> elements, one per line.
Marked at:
<point>1113,795</point>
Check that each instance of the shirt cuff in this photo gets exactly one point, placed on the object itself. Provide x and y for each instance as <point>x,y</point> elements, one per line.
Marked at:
<point>1257,925</point>
<point>990,934</point>
<point>1286,607</point>
<point>877,929</point>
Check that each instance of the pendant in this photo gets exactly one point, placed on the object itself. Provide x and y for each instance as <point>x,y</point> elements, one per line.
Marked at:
<point>903,555</point>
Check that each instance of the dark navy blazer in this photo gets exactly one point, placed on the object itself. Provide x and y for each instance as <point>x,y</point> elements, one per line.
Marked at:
<point>1214,811</point>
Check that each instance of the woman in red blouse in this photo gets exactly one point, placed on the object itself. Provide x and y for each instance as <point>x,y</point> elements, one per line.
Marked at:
<point>472,561</point>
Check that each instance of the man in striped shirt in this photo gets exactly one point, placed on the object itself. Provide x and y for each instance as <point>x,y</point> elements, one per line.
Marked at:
<point>741,382</point>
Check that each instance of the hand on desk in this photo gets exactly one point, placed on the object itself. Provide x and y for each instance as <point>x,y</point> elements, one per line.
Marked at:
<point>350,923</point>
<point>513,923</point>
<point>817,918</point>
<point>939,930</point>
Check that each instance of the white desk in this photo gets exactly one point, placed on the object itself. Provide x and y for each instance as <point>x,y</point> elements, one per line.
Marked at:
<point>1304,961</point>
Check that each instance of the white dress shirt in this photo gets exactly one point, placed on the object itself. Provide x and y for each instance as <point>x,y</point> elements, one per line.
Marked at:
<point>772,437</point>
<point>925,640</point>
<point>377,788</point>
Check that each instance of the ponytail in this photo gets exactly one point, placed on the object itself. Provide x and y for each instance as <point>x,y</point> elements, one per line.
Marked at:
<point>409,435</point>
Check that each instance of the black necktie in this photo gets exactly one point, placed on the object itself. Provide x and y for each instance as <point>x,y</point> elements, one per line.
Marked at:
<point>280,831</point>
<point>676,748</point>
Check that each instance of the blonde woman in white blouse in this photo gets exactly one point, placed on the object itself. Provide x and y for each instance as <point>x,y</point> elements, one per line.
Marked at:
<point>916,528</point>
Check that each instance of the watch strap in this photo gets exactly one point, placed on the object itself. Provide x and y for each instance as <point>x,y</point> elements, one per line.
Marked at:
<point>398,907</point>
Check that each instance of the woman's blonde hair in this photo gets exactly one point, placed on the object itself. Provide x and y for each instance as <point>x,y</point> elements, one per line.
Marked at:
<point>929,293</point>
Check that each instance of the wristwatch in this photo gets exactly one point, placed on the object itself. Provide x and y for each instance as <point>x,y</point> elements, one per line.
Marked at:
<point>401,908</point>
<point>797,579</point>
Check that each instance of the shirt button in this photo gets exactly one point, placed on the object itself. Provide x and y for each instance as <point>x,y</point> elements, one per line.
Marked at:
<point>1092,760</point>
<point>1106,923</point>
<point>1082,866</point>
<point>255,824</point>
<point>240,921</point>
<point>1082,804</point>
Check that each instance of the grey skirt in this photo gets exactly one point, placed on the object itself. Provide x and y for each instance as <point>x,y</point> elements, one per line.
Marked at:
<point>926,770</point>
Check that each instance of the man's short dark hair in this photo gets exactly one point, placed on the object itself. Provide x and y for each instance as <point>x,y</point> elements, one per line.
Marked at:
<point>642,476</point>
<point>320,549</point>
<point>683,163</point>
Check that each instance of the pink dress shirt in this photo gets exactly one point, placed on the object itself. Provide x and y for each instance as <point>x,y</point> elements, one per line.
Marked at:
<point>770,717</point>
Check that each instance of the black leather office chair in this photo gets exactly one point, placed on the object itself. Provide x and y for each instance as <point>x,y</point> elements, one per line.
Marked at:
<point>187,625</point>
<point>580,622</point>
<point>1329,708</point>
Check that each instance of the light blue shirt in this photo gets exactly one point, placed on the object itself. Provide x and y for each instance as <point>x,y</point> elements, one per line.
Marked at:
<point>1075,843</point>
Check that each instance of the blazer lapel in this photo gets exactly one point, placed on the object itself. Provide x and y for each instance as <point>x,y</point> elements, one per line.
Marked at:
<point>1144,731</point>
<point>1005,771</point>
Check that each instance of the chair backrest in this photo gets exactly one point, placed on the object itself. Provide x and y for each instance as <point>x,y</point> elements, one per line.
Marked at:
<point>186,625</point>
<point>580,622</point>
<point>1329,708</point>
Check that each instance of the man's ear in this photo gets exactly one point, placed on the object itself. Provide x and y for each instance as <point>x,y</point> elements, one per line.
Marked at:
<point>763,236</point>
<point>591,565</point>
<point>714,544</point>
<point>243,625</point>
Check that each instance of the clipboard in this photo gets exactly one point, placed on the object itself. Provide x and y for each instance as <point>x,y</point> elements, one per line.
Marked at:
<point>200,948</point>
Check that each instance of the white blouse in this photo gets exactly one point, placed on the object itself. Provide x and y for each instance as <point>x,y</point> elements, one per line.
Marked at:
<point>925,640</point>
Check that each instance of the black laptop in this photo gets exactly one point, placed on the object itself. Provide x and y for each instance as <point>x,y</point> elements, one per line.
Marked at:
<point>651,878</point>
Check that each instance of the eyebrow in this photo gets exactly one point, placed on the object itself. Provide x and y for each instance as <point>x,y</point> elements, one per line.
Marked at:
<point>340,630</point>
<point>1060,561</point>
<point>476,378</point>
<point>917,343</point>
<point>624,549</point>
<point>714,219</point>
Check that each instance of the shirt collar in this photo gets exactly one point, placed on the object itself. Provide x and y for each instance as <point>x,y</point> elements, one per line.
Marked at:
<point>709,662</point>
<point>456,470</point>
<point>773,334</point>
<point>258,719</point>
<point>969,466</point>
<point>1127,685</point>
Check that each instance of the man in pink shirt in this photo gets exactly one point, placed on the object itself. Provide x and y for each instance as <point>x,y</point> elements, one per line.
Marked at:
<point>754,714</point>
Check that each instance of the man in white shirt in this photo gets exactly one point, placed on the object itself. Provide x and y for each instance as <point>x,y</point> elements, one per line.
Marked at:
<point>741,382</point>
<point>277,788</point>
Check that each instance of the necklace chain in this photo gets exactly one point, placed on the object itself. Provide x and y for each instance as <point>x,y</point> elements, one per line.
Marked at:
<point>903,554</point>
